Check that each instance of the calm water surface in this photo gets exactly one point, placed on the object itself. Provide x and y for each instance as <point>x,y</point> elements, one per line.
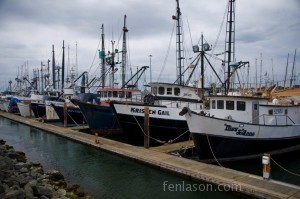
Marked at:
<point>102,174</point>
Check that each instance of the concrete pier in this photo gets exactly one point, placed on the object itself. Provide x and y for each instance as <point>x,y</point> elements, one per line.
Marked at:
<point>239,181</point>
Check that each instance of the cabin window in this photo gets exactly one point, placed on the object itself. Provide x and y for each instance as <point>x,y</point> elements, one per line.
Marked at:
<point>177,91</point>
<point>169,91</point>
<point>220,104</point>
<point>121,94</point>
<point>285,111</point>
<point>154,90</point>
<point>115,94</point>
<point>109,94</point>
<point>255,106</point>
<point>161,90</point>
<point>240,105</point>
<point>213,104</point>
<point>270,112</point>
<point>105,94</point>
<point>128,94</point>
<point>229,105</point>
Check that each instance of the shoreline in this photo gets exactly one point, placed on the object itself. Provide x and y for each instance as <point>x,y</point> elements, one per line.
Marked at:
<point>22,179</point>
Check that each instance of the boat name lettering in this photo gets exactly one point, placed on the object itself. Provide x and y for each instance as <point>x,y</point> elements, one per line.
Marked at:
<point>151,112</point>
<point>239,131</point>
<point>187,94</point>
<point>278,111</point>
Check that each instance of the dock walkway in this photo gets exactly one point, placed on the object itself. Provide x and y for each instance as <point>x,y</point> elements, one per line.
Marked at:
<point>239,181</point>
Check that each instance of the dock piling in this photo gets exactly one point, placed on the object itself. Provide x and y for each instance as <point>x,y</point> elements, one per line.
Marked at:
<point>146,128</point>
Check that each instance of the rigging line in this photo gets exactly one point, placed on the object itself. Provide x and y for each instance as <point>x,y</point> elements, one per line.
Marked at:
<point>168,51</point>
<point>296,174</point>
<point>94,56</point>
<point>189,31</point>
<point>219,33</point>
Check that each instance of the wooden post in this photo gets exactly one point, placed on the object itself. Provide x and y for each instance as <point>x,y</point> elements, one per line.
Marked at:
<point>65,114</point>
<point>146,128</point>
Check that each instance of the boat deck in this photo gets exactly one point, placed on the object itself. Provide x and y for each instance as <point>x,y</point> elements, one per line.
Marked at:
<point>239,181</point>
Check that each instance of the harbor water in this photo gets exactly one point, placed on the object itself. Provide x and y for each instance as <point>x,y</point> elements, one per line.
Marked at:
<point>102,174</point>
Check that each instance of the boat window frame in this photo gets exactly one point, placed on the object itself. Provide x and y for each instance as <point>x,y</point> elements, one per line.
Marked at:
<point>213,104</point>
<point>105,94</point>
<point>238,105</point>
<point>115,94</point>
<point>176,91</point>
<point>228,105</point>
<point>121,94</point>
<point>220,104</point>
<point>169,90</point>
<point>270,111</point>
<point>109,94</point>
<point>161,90</point>
<point>154,90</point>
<point>128,95</point>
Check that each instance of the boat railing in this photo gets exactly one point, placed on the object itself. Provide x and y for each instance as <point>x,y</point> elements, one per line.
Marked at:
<point>180,104</point>
<point>277,120</point>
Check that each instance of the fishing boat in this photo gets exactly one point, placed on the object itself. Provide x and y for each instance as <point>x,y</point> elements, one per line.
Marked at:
<point>239,126</point>
<point>25,109</point>
<point>165,123</point>
<point>165,101</point>
<point>74,116</point>
<point>100,116</point>
<point>235,126</point>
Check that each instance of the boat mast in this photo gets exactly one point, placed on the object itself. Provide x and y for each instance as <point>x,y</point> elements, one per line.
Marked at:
<point>293,69</point>
<point>53,67</point>
<point>229,42</point>
<point>63,66</point>
<point>124,51</point>
<point>178,44</point>
<point>102,56</point>
<point>112,80</point>
<point>42,78</point>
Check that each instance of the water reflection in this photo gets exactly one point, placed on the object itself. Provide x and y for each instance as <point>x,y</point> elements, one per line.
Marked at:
<point>100,173</point>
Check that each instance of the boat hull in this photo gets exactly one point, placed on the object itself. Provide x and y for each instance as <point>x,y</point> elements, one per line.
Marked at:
<point>24,108</point>
<point>38,109</point>
<point>101,119</point>
<point>74,115</point>
<point>226,139</point>
<point>165,124</point>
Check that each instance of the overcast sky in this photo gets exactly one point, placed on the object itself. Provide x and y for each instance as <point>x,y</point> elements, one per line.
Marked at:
<point>28,29</point>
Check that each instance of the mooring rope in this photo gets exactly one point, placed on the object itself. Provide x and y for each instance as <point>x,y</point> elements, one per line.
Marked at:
<point>171,141</point>
<point>212,151</point>
<point>290,172</point>
<point>160,141</point>
<point>163,142</point>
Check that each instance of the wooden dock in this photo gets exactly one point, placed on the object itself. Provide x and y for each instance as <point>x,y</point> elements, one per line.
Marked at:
<point>167,148</point>
<point>241,182</point>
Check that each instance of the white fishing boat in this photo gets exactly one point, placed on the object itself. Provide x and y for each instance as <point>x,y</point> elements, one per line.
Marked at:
<point>240,126</point>
<point>24,108</point>
<point>236,126</point>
